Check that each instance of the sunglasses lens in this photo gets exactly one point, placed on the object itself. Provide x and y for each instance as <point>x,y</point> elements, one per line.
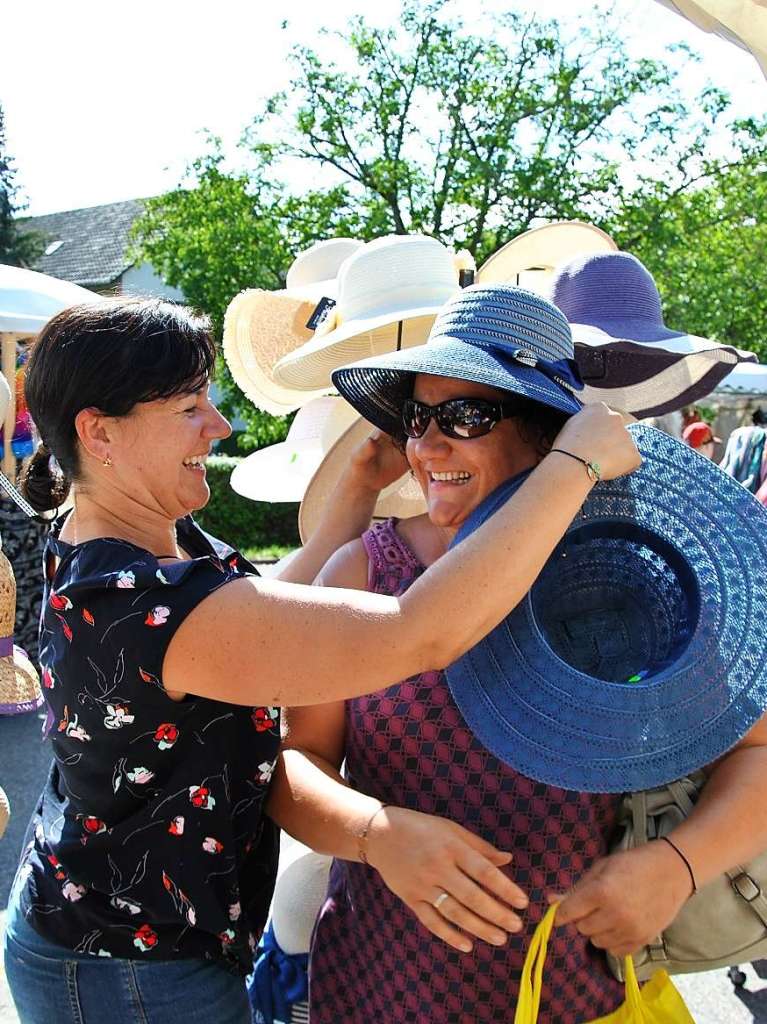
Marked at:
<point>467,418</point>
<point>415,418</point>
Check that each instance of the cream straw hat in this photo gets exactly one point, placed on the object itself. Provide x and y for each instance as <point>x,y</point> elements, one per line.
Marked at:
<point>528,260</point>
<point>282,471</point>
<point>261,327</point>
<point>308,464</point>
<point>388,294</point>
<point>402,499</point>
<point>19,682</point>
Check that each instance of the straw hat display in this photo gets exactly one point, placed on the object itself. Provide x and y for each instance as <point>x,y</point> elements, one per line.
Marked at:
<point>19,683</point>
<point>530,259</point>
<point>261,327</point>
<point>308,464</point>
<point>388,294</point>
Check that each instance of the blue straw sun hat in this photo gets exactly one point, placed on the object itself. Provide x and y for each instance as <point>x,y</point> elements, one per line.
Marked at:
<point>498,335</point>
<point>640,652</point>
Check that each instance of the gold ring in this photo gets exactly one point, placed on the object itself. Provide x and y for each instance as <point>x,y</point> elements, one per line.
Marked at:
<point>440,900</point>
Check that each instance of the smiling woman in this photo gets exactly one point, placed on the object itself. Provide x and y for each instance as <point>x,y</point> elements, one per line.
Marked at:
<point>166,657</point>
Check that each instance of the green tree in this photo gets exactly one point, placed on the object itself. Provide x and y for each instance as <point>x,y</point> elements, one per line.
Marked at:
<point>702,232</point>
<point>17,248</point>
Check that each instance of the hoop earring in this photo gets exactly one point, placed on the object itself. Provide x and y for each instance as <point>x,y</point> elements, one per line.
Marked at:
<point>107,461</point>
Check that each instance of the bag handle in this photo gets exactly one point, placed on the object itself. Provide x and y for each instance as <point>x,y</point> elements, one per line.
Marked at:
<point>531,982</point>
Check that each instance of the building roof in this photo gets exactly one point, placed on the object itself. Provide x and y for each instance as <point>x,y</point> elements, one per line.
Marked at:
<point>93,241</point>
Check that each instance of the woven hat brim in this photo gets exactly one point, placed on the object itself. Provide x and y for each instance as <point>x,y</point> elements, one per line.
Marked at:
<point>376,387</point>
<point>278,473</point>
<point>5,811</point>
<point>311,366</point>
<point>401,500</point>
<point>19,685</point>
<point>260,328</point>
<point>650,379</point>
<point>544,247</point>
<point>564,728</point>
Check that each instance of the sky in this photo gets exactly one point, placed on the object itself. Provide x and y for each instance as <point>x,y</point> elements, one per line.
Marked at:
<point>106,102</point>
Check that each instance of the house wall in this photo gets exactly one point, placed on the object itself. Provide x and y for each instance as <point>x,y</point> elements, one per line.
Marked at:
<point>144,280</point>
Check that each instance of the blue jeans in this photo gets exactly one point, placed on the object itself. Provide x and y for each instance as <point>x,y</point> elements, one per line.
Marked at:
<point>52,984</point>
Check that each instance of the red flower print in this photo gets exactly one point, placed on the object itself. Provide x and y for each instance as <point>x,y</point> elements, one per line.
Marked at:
<point>233,562</point>
<point>93,826</point>
<point>227,937</point>
<point>145,938</point>
<point>147,677</point>
<point>166,735</point>
<point>212,845</point>
<point>47,679</point>
<point>265,719</point>
<point>56,865</point>
<point>176,827</point>
<point>200,797</point>
<point>88,617</point>
<point>158,616</point>
<point>58,602</point>
<point>67,631</point>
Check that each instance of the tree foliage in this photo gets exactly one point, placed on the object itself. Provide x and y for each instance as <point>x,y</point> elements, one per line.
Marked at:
<point>16,248</point>
<point>473,136</point>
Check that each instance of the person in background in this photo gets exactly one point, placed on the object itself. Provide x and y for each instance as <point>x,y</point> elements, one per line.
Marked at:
<point>700,436</point>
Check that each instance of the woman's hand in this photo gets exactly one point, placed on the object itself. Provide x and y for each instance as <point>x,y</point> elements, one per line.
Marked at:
<point>627,899</point>
<point>376,463</point>
<point>421,856</point>
<point>600,436</point>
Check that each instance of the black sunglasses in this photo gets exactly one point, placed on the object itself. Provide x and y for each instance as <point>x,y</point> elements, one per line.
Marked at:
<point>462,418</point>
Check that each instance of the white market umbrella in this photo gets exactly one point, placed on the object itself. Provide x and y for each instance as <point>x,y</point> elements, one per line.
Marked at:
<point>27,302</point>
<point>743,22</point>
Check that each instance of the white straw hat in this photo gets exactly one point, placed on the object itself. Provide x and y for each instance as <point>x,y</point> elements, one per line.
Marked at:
<point>529,260</point>
<point>282,471</point>
<point>388,294</point>
<point>261,327</point>
<point>402,499</point>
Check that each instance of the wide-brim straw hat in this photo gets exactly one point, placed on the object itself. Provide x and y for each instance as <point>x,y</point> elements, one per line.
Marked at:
<point>499,335</point>
<point>260,327</point>
<point>626,354</point>
<point>400,500</point>
<point>530,259</point>
<point>388,294</point>
<point>639,654</point>
<point>19,683</point>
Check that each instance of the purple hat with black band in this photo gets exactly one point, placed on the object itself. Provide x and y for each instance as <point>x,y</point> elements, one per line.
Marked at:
<point>499,335</point>
<point>627,356</point>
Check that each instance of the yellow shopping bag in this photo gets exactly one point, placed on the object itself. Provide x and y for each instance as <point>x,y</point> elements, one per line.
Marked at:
<point>657,1002</point>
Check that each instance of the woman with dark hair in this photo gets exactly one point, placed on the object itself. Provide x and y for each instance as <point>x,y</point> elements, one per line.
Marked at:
<point>149,863</point>
<point>409,932</point>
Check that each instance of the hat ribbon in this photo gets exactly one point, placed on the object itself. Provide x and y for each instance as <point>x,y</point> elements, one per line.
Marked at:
<point>563,372</point>
<point>8,648</point>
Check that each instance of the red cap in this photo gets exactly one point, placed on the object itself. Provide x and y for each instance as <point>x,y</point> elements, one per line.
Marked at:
<point>698,434</point>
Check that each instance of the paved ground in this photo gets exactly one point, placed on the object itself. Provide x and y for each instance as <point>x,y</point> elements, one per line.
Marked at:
<point>24,762</point>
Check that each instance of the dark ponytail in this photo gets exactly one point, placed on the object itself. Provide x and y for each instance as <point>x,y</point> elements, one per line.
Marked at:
<point>43,482</point>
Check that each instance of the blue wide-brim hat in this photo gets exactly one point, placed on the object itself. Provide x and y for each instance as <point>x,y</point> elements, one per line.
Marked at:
<point>505,337</point>
<point>640,652</point>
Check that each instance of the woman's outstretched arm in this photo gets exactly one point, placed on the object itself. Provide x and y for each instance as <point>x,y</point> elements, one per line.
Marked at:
<point>265,642</point>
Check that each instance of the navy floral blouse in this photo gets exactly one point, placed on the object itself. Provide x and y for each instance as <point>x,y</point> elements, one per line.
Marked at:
<point>149,840</point>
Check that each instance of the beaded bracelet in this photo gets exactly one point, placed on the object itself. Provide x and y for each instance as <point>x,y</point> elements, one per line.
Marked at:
<point>363,836</point>
<point>592,468</point>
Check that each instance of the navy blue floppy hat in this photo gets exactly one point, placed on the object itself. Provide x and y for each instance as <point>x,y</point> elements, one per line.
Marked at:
<point>499,335</point>
<point>640,652</point>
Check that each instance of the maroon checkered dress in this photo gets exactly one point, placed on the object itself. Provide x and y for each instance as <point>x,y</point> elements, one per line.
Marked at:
<point>408,745</point>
